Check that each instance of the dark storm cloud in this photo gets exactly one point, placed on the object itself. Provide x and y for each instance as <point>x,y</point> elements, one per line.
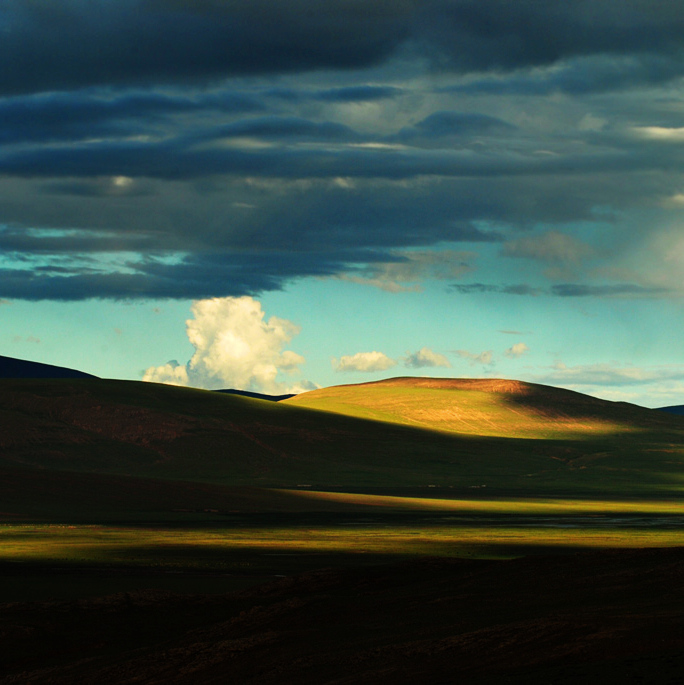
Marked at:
<point>284,128</point>
<point>596,74</point>
<point>125,135</point>
<point>75,43</point>
<point>448,124</point>
<point>75,116</point>
<point>304,218</point>
<point>363,93</point>
<point>178,159</point>
<point>222,210</point>
<point>472,35</point>
<point>19,242</point>
<point>198,276</point>
<point>358,94</point>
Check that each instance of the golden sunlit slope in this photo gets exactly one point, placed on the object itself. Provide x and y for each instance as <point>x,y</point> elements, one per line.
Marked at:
<point>501,408</point>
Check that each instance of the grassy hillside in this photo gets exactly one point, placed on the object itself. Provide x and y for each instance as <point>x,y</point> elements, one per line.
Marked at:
<point>141,489</point>
<point>502,408</point>
<point>150,443</point>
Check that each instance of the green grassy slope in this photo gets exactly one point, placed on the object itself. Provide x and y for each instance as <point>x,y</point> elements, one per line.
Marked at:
<point>152,444</point>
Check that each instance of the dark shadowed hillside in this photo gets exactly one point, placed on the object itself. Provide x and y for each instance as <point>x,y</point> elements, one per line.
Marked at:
<point>676,409</point>
<point>513,438</point>
<point>256,395</point>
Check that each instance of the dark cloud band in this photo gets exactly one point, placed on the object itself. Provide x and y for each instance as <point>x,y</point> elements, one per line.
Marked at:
<point>75,43</point>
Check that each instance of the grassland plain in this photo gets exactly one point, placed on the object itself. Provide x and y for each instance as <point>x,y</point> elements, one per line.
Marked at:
<point>111,486</point>
<point>406,466</point>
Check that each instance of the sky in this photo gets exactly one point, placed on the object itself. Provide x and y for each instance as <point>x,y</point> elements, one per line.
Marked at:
<point>278,196</point>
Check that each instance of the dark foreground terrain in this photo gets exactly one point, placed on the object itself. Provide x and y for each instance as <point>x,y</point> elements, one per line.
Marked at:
<point>598,617</point>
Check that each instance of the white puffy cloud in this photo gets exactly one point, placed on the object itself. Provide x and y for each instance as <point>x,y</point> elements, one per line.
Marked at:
<point>517,350</point>
<point>171,373</point>
<point>235,347</point>
<point>425,357</point>
<point>486,358</point>
<point>364,361</point>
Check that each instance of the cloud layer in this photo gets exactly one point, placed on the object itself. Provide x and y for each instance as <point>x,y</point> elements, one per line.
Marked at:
<point>176,149</point>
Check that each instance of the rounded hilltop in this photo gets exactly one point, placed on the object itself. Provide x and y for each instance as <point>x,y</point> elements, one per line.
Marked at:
<point>501,385</point>
<point>478,406</point>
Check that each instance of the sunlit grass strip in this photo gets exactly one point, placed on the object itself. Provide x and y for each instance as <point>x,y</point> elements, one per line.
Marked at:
<point>508,506</point>
<point>143,546</point>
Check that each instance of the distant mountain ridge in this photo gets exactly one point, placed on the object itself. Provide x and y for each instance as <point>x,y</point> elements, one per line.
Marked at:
<point>256,395</point>
<point>676,409</point>
<point>22,368</point>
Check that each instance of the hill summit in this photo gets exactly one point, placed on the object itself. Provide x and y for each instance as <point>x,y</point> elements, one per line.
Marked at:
<point>479,406</point>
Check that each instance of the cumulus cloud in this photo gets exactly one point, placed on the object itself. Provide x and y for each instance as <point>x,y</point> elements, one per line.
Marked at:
<point>171,373</point>
<point>235,347</point>
<point>425,357</point>
<point>485,358</point>
<point>517,350</point>
<point>363,361</point>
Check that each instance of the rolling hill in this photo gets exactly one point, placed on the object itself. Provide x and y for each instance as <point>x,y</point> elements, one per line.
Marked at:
<point>676,409</point>
<point>148,447</point>
<point>22,368</point>
<point>393,497</point>
<point>502,408</point>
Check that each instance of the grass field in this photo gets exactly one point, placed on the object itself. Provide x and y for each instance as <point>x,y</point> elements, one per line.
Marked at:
<point>532,439</point>
<point>237,548</point>
<point>395,496</point>
<point>119,475</point>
